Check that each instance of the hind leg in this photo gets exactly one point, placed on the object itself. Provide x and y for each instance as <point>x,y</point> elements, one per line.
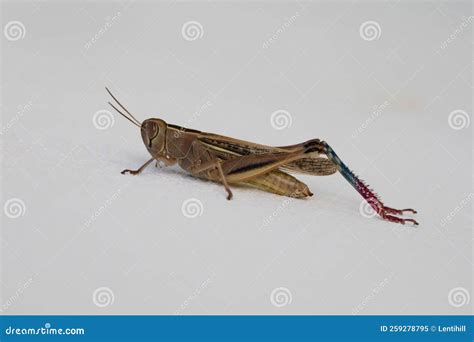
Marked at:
<point>374,201</point>
<point>280,183</point>
<point>202,162</point>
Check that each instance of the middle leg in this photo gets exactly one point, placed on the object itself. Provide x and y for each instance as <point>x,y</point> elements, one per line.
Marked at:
<point>214,165</point>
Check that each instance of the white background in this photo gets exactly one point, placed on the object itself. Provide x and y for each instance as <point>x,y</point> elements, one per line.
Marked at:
<point>84,226</point>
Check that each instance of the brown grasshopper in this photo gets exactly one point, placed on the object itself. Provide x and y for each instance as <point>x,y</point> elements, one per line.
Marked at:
<point>232,161</point>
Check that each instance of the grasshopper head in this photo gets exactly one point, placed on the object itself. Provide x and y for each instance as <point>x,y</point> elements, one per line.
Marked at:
<point>154,134</point>
<point>153,130</point>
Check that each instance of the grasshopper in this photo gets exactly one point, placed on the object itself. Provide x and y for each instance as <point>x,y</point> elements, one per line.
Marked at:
<point>231,161</point>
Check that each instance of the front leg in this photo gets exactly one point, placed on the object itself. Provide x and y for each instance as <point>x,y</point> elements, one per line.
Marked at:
<point>136,172</point>
<point>166,160</point>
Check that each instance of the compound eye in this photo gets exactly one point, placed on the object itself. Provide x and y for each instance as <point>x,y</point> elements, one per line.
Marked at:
<point>154,132</point>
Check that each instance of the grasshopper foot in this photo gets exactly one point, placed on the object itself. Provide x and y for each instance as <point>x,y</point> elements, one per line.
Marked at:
<point>388,213</point>
<point>398,219</point>
<point>385,212</point>
<point>399,211</point>
<point>132,172</point>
